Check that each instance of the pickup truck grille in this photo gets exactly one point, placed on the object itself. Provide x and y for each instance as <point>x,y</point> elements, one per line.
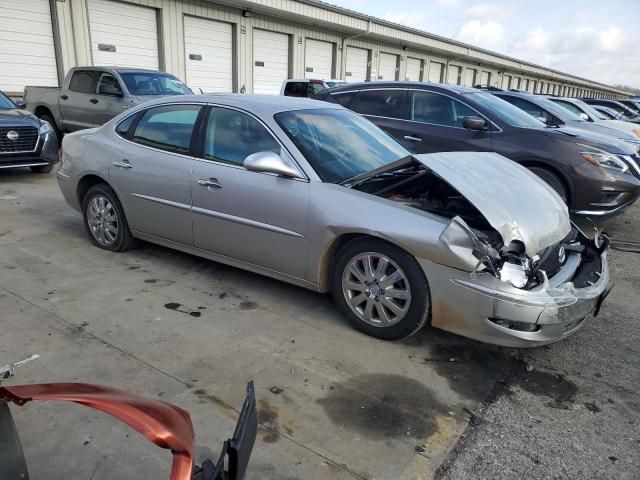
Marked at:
<point>26,141</point>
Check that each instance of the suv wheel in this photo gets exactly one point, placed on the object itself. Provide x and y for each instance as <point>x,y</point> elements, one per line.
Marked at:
<point>105,221</point>
<point>381,289</point>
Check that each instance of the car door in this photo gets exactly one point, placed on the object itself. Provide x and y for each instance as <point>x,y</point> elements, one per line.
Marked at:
<point>110,99</point>
<point>435,124</point>
<point>75,102</point>
<point>387,108</point>
<point>257,218</point>
<point>151,171</point>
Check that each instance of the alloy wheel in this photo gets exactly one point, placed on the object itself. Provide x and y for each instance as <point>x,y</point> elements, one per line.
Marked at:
<point>376,289</point>
<point>103,221</point>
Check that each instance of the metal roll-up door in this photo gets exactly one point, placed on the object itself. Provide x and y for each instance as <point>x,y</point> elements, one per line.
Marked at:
<point>485,78</point>
<point>414,70</point>
<point>27,52</point>
<point>318,59</point>
<point>270,61</point>
<point>208,51</point>
<point>388,69</point>
<point>124,35</point>
<point>435,72</point>
<point>469,77</point>
<point>357,65</point>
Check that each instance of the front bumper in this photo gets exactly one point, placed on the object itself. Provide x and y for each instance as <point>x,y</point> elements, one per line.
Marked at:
<point>482,307</point>
<point>45,153</point>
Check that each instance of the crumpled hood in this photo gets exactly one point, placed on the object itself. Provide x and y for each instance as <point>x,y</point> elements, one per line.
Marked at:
<point>514,201</point>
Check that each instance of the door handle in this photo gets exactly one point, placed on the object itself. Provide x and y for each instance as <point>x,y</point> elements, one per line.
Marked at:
<point>94,100</point>
<point>209,183</point>
<point>64,97</point>
<point>412,139</point>
<point>123,164</point>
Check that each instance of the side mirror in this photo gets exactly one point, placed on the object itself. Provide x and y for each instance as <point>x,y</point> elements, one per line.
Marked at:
<point>21,104</point>
<point>474,123</point>
<point>269,162</point>
<point>584,116</point>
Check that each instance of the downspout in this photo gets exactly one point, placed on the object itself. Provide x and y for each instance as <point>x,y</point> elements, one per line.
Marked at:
<point>343,61</point>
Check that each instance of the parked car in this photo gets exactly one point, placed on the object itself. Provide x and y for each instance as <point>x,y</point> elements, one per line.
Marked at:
<point>91,96</point>
<point>627,113</point>
<point>554,115</point>
<point>632,104</point>
<point>307,87</point>
<point>25,140</point>
<point>593,174</point>
<point>611,113</point>
<point>315,195</point>
<point>590,114</point>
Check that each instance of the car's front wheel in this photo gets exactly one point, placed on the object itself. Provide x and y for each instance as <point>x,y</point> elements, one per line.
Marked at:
<point>381,289</point>
<point>105,221</point>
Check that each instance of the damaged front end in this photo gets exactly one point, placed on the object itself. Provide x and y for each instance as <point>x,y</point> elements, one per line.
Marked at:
<point>511,268</point>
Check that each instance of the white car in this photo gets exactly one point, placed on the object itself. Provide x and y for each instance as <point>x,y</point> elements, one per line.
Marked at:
<point>307,87</point>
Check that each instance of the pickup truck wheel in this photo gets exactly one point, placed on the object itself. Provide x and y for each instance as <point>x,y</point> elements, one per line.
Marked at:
<point>381,289</point>
<point>553,180</point>
<point>105,221</point>
<point>49,119</point>
<point>42,168</point>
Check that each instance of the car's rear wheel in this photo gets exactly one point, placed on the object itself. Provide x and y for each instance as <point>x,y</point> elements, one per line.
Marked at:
<point>42,168</point>
<point>381,289</point>
<point>105,221</point>
<point>553,180</point>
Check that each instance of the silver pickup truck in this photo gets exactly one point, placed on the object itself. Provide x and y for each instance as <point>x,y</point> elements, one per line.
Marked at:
<point>90,96</point>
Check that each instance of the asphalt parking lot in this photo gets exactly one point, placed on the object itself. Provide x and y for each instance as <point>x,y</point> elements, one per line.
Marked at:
<point>192,332</point>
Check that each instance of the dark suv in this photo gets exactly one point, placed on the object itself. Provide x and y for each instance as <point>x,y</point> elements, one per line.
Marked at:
<point>595,175</point>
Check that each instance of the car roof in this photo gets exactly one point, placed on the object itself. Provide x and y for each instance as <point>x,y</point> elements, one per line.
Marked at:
<point>267,105</point>
<point>120,69</point>
<point>406,85</point>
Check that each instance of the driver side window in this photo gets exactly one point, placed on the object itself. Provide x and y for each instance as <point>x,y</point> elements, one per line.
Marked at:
<point>232,136</point>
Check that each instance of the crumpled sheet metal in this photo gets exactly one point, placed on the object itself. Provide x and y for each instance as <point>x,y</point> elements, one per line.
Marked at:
<point>164,424</point>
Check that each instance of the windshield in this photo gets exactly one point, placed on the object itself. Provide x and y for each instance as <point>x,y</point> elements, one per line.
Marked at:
<point>504,111</point>
<point>151,83</point>
<point>560,112</point>
<point>6,103</point>
<point>339,144</point>
<point>585,107</point>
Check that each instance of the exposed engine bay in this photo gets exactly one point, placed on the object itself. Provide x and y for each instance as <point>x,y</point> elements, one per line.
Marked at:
<point>417,186</point>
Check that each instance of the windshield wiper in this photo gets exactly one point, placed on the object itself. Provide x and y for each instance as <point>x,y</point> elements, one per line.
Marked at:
<point>378,172</point>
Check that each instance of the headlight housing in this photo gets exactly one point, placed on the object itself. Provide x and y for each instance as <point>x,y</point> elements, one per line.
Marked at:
<point>603,159</point>
<point>45,128</point>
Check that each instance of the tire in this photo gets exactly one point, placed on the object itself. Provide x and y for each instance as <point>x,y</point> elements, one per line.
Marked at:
<point>105,220</point>
<point>42,168</point>
<point>409,293</point>
<point>553,180</point>
<point>49,119</point>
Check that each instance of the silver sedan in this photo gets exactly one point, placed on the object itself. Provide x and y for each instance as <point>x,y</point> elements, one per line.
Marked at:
<point>315,195</point>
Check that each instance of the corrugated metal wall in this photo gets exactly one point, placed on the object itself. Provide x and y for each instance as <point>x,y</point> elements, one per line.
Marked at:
<point>294,18</point>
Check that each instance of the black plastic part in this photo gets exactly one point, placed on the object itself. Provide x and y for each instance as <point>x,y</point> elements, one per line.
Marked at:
<point>13,465</point>
<point>238,449</point>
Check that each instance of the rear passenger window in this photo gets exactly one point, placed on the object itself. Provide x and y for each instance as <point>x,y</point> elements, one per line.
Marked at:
<point>383,103</point>
<point>84,81</point>
<point>295,89</point>
<point>232,136</point>
<point>168,128</point>
<point>344,99</point>
<point>430,107</point>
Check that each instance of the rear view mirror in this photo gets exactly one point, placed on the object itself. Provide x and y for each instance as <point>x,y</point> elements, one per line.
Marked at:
<point>270,162</point>
<point>474,123</point>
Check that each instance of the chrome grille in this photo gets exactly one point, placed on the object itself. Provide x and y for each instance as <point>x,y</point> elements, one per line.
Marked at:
<point>26,141</point>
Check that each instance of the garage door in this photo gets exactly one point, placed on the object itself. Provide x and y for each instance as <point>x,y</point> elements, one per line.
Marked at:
<point>435,72</point>
<point>318,59</point>
<point>123,34</point>
<point>27,53</point>
<point>271,61</point>
<point>469,77</point>
<point>357,64</point>
<point>208,53</point>
<point>414,70</point>
<point>388,67</point>
<point>485,78</point>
